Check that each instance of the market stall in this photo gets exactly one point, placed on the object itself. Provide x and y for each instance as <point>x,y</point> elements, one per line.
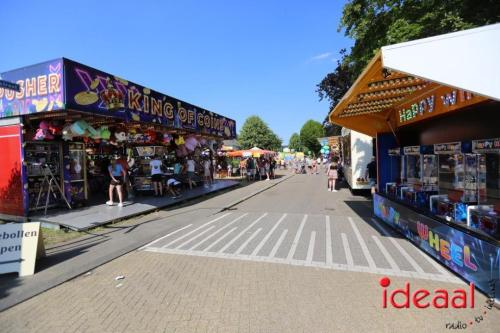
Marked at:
<point>435,121</point>
<point>68,120</point>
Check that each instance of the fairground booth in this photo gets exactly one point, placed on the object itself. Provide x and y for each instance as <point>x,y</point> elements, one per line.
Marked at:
<point>433,107</point>
<point>60,130</point>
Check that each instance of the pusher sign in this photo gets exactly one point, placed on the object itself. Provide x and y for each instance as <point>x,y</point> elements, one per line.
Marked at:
<point>20,245</point>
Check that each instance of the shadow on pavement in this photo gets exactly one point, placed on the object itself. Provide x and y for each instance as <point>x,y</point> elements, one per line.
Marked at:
<point>364,210</point>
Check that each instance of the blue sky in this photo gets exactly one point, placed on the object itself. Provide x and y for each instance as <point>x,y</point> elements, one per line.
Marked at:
<point>236,58</point>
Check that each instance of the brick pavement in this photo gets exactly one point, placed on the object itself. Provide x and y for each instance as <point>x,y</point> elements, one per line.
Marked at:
<point>176,293</point>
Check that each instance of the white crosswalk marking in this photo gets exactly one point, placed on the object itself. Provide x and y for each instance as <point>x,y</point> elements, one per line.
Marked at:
<point>195,237</point>
<point>242,247</point>
<point>195,230</point>
<point>386,254</point>
<point>217,231</point>
<point>272,254</point>
<point>405,254</point>
<point>328,236</point>
<point>296,239</point>
<point>310,249</point>
<point>219,239</point>
<point>347,250</point>
<point>167,235</point>
<point>235,239</point>
<point>266,238</point>
<point>242,233</point>
<point>362,243</point>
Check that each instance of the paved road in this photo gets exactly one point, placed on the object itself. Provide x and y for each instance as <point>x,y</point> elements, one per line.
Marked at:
<point>294,258</point>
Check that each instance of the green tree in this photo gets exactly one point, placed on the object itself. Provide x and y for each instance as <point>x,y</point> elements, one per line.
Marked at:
<point>256,133</point>
<point>309,134</point>
<point>294,142</point>
<point>375,23</point>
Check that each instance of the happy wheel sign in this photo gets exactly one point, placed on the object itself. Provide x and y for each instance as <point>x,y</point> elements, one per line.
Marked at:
<point>20,245</point>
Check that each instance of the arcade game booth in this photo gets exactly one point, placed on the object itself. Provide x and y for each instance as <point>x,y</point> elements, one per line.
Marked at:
<point>434,108</point>
<point>59,132</point>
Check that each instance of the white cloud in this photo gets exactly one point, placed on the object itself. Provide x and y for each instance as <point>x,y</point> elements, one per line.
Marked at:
<point>321,56</point>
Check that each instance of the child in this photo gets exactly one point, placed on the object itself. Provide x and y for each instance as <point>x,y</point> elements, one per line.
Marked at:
<point>332,177</point>
<point>173,187</point>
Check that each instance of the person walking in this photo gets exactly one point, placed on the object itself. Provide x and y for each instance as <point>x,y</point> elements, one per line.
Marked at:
<point>190,167</point>
<point>243,168</point>
<point>332,175</point>
<point>371,174</point>
<point>206,173</point>
<point>157,175</point>
<point>229,169</point>
<point>117,174</point>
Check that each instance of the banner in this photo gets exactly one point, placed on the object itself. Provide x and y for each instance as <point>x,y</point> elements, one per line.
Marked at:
<point>41,89</point>
<point>473,259</point>
<point>94,91</point>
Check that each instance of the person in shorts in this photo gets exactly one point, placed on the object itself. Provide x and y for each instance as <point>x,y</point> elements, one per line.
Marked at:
<point>173,186</point>
<point>190,167</point>
<point>157,175</point>
<point>332,175</point>
<point>117,174</point>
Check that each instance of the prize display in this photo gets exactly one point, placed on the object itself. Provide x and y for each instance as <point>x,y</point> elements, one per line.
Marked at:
<point>39,158</point>
<point>458,182</point>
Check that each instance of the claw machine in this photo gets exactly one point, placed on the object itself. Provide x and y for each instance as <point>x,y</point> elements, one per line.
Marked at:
<point>75,173</point>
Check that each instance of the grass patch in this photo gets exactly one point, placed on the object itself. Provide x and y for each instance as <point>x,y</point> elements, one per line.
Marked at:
<point>52,236</point>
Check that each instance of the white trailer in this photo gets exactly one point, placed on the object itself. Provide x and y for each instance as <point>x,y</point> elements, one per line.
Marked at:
<point>357,152</point>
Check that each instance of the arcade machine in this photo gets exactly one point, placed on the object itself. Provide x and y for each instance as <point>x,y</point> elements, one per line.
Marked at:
<point>458,176</point>
<point>485,216</point>
<point>393,188</point>
<point>421,175</point>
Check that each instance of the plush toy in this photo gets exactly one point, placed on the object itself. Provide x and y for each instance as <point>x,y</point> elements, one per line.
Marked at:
<point>66,132</point>
<point>104,132</point>
<point>167,138</point>
<point>180,140</point>
<point>55,128</point>
<point>43,133</point>
<point>191,143</point>
<point>120,136</point>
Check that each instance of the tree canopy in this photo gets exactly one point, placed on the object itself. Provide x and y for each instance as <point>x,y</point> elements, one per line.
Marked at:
<point>294,142</point>
<point>255,132</point>
<point>309,134</point>
<point>375,23</point>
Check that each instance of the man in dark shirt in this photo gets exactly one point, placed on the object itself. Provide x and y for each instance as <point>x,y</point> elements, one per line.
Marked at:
<point>371,174</point>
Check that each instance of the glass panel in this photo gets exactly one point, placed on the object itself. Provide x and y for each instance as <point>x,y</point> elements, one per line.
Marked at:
<point>413,169</point>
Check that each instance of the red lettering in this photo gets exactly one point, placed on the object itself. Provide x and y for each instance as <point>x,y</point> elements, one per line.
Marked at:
<point>417,298</point>
<point>461,295</point>
<point>441,294</point>
<point>406,294</point>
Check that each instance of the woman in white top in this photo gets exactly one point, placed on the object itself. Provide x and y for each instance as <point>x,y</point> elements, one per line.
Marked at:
<point>156,175</point>
<point>190,166</point>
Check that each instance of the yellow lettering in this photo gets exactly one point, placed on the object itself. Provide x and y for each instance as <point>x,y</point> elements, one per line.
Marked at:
<point>42,85</point>
<point>156,106</point>
<point>31,87</point>
<point>168,110</point>
<point>54,83</point>
<point>434,240</point>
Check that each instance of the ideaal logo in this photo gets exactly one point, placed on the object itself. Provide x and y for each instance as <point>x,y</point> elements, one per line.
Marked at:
<point>459,298</point>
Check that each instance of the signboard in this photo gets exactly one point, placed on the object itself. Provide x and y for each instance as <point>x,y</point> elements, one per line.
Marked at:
<point>466,255</point>
<point>439,101</point>
<point>484,146</point>
<point>394,151</point>
<point>91,90</point>
<point>411,150</point>
<point>9,85</point>
<point>40,89</point>
<point>448,148</point>
<point>20,244</point>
